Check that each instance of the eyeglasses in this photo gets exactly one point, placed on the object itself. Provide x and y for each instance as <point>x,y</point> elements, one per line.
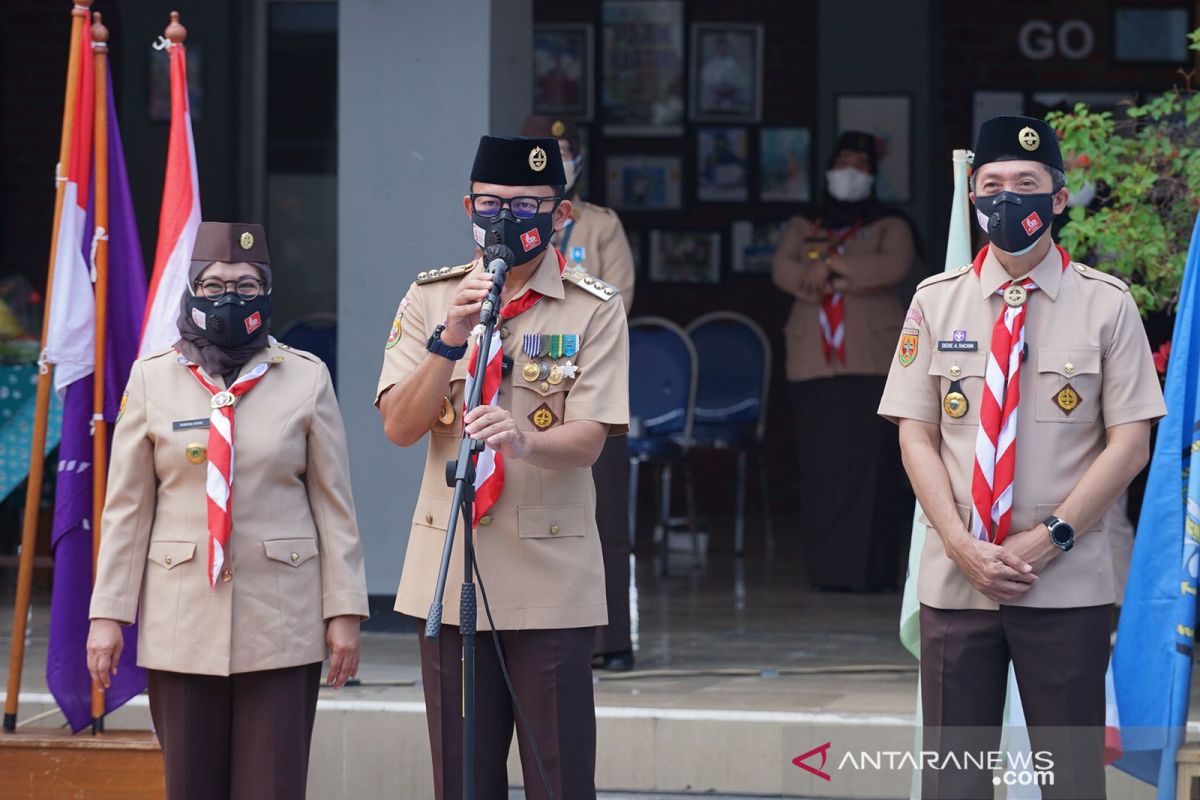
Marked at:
<point>489,205</point>
<point>245,288</point>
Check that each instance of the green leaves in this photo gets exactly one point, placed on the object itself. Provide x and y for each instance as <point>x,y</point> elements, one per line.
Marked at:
<point>1145,165</point>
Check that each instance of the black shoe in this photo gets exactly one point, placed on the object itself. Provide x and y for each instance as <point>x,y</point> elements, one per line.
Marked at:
<point>618,662</point>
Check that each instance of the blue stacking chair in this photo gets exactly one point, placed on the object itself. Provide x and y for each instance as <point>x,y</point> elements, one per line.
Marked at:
<point>316,333</point>
<point>662,399</point>
<point>731,401</point>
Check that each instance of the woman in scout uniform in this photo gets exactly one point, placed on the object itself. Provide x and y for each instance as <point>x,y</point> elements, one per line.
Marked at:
<point>593,239</point>
<point>843,267</point>
<point>1024,389</point>
<point>555,387</point>
<point>240,581</point>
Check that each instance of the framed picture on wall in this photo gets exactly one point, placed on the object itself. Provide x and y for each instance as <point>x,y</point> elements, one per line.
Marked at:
<point>644,183</point>
<point>752,245</point>
<point>1151,35</point>
<point>726,72</point>
<point>678,256</point>
<point>642,91</point>
<point>722,164</point>
<point>784,163</point>
<point>888,116</point>
<point>562,70</point>
<point>583,185</point>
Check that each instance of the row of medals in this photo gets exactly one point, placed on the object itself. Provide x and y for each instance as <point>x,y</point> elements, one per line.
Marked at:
<point>548,373</point>
<point>955,402</point>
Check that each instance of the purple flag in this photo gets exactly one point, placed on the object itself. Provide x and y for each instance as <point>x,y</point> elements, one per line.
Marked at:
<point>71,541</point>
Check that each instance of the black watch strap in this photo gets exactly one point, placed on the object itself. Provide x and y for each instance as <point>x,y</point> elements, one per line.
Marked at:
<point>437,346</point>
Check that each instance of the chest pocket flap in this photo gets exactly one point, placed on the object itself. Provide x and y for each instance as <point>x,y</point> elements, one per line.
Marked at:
<point>1069,361</point>
<point>965,368</point>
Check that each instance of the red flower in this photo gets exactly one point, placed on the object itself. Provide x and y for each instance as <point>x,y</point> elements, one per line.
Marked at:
<point>1084,162</point>
<point>1161,355</point>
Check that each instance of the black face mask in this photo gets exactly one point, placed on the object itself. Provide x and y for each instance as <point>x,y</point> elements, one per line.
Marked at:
<point>229,321</point>
<point>527,238</point>
<point>1014,222</point>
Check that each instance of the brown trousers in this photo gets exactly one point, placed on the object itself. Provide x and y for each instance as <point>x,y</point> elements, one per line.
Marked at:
<point>244,737</point>
<point>611,475</point>
<point>552,674</point>
<point>1060,656</point>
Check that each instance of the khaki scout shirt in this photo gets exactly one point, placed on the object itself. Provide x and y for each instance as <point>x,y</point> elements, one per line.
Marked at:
<point>877,259</point>
<point>539,553</point>
<point>294,558</point>
<point>595,241</point>
<point>1082,328</point>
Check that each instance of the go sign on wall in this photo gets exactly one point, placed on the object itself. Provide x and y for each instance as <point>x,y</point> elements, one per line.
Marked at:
<point>1040,40</point>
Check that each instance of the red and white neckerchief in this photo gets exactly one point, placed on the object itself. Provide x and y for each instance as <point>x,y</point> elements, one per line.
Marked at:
<point>833,305</point>
<point>219,481</point>
<point>489,465</point>
<point>996,441</point>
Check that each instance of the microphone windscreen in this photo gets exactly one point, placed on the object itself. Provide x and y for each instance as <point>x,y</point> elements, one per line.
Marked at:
<point>498,251</point>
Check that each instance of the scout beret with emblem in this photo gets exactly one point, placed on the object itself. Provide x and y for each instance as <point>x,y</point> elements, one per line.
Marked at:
<point>858,142</point>
<point>558,127</point>
<point>1017,139</point>
<point>518,161</point>
<point>231,243</point>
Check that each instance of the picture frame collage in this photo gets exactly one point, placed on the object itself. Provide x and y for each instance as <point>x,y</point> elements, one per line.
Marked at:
<point>645,81</point>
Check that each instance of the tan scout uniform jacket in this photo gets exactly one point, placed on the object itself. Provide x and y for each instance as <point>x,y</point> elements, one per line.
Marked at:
<point>1081,328</point>
<point>539,554</point>
<point>595,241</point>
<point>294,558</point>
<point>877,259</point>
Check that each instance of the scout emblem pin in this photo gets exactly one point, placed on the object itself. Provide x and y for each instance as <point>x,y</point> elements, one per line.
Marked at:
<point>446,415</point>
<point>196,453</point>
<point>1067,399</point>
<point>1015,296</point>
<point>542,417</point>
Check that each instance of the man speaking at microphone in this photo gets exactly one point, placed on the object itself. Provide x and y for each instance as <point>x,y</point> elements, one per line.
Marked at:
<point>555,387</point>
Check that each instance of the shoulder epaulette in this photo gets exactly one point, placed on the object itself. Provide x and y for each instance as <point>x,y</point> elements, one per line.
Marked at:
<point>945,276</point>
<point>300,353</point>
<point>158,354</point>
<point>1097,275</point>
<point>443,273</point>
<point>580,278</point>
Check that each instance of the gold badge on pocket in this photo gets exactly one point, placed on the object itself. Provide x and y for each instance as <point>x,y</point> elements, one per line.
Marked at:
<point>542,417</point>
<point>446,414</point>
<point>955,404</point>
<point>1067,399</point>
<point>196,453</point>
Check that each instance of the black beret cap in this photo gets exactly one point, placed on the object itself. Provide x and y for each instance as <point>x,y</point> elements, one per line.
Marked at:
<point>518,161</point>
<point>1017,139</point>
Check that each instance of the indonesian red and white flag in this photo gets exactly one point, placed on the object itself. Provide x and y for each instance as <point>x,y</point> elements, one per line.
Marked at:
<point>178,219</point>
<point>70,332</point>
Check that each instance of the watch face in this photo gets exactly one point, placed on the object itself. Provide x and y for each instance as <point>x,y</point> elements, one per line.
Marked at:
<point>1062,534</point>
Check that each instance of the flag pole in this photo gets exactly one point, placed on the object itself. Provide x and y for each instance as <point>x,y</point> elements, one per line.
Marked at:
<point>100,276</point>
<point>37,454</point>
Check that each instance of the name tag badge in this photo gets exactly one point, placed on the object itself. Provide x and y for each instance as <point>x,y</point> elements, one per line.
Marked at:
<point>957,347</point>
<point>189,424</point>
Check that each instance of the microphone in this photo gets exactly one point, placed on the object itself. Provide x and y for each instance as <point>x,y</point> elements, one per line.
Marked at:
<point>499,259</point>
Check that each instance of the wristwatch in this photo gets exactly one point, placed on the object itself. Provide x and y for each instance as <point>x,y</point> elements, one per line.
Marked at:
<point>437,346</point>
<point>1061,533</point>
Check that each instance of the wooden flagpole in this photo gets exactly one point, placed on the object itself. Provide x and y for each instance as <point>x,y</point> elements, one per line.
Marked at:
<point>37,455</point>
<point>99,35</point>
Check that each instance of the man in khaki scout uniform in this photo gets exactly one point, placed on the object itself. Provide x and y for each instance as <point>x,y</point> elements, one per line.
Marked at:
<point>1015,486</point>
<point>842,266</point>
<point>592,238</point>
<point>564,389</point>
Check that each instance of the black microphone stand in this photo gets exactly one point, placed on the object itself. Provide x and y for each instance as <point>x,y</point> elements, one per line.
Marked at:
<point>460,474</point>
